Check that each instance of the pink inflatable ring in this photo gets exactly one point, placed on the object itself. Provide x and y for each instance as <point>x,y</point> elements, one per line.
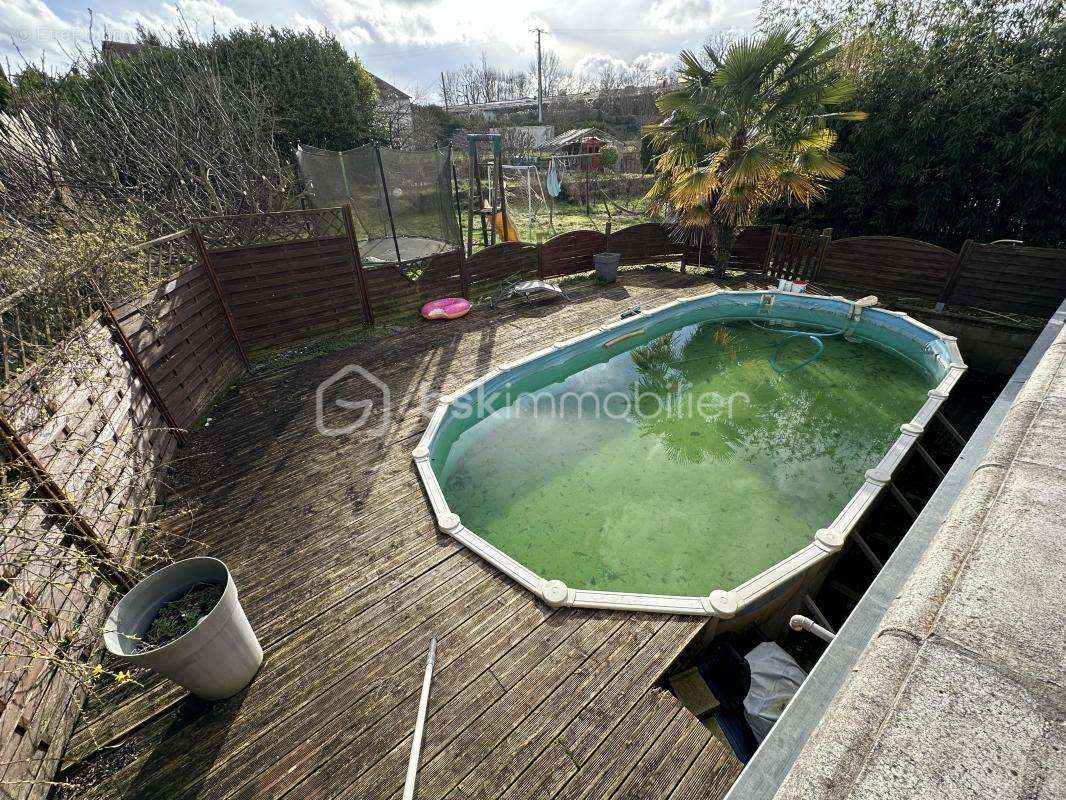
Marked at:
<point>446,308</point>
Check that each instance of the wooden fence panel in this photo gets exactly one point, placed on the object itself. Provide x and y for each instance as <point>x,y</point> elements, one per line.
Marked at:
<point>440,276</point>
<point>748,253</point>
<point>282,292</point>
<point>570,253</point>
<point>402,290</point>
<point>285,276</point>
<point>795,253</point>
<point>487,268</point>
<point>84,417</point>
<point>1011,279</point>
<point>179,333</point>
<point>643,243</point>
<point>891,265</point>
<point>749,249</point>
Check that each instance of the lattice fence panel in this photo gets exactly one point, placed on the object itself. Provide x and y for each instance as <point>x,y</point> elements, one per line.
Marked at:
<point>82,417</point>
<point>252,230</point>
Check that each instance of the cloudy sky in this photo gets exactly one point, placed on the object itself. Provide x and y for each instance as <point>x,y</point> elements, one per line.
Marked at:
<point>405,41</point>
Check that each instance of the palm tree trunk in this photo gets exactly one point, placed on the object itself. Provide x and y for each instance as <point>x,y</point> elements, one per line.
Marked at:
<point>725,234</point>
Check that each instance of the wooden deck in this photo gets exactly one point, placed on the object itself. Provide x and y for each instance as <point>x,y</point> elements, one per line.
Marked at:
<point>345,579</point>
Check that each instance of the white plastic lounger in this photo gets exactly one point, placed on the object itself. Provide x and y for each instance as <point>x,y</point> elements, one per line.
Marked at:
<point>514,287</point>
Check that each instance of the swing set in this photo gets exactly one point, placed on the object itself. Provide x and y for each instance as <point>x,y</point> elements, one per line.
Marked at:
<point>487,198</point>
<point>491,203</point>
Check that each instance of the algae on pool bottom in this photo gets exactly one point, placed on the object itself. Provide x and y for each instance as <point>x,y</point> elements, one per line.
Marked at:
<point>685,464</point>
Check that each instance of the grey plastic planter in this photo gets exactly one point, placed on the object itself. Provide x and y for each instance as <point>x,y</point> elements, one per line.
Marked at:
<point>606,266</point>
<point>214,660</point>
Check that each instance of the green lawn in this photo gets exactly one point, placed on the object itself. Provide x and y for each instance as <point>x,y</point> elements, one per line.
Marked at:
<point>565,216</point>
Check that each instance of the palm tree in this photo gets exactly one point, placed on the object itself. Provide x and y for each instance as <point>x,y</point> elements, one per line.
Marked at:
<point>747,126</point>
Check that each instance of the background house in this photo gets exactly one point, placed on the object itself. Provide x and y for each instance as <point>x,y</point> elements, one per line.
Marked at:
<point>394,112</point>
<point>579,142</point>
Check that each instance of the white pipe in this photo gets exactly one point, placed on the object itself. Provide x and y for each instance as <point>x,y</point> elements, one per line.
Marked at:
<point>802,623</point>
<point>420,724</point>
<point>855,308</point>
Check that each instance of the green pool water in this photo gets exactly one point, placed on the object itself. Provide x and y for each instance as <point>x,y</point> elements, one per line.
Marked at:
<point>685,464</point>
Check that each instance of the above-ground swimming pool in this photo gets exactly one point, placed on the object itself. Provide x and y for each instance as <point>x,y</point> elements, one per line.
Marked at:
<point>692,459</point>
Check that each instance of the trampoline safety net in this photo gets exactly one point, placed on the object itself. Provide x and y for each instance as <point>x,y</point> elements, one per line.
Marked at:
<point>402,203</point>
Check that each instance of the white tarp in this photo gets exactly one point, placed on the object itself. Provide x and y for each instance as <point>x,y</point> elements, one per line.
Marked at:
<point>775,677</point>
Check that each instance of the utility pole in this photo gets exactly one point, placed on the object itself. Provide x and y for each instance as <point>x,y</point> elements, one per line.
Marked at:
<point>540,81</point>
<point>444,90</point>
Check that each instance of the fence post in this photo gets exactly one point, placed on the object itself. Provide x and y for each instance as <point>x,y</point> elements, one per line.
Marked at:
<point>142,373</point>
<point>769,250</point>
<point>205,259</point>
<point>61,503</point>
<point>953,275</point>
<point>464,276</point>
<point>357,263</point>
<point>823,247</point>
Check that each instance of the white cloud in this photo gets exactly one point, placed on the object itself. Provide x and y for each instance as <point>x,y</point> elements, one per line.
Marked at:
<point>411,41</point>
<point>685,16</point>
<point>591,66</point>
<point>32,29</point>
<point>656,62</point>
<point>407,23</point>
<point>199,16</point>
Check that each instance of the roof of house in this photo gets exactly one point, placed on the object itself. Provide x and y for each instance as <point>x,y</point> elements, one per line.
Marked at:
<point>386,89</point>
<point>576,135</point>
<point>124,49</point>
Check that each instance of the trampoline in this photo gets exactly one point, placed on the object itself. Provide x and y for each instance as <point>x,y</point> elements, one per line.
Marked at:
<point>401,200</point>
<point>387,250</point>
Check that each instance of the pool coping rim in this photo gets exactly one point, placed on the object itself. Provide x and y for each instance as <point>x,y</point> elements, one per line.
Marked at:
<point>720,603</point>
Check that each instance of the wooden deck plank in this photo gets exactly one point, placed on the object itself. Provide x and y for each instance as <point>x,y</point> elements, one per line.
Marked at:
<point>396,697</point>
<point>375,761</point>
<point>718,771</point>
<point>247,414</point>
<point>345,578</point>
<point>601,774</point>
<point>330,657</point>
<point>526,740</point>
<point>482,732</point>
<point>587,731</point>
<point>664,764</point>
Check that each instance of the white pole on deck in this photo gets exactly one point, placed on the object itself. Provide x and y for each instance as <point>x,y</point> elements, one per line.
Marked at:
<point>411,783</point>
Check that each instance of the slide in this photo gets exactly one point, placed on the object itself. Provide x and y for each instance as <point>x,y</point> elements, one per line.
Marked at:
<point>512,234</point>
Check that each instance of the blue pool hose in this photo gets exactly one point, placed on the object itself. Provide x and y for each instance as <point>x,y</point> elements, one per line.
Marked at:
<point>790,336</point>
